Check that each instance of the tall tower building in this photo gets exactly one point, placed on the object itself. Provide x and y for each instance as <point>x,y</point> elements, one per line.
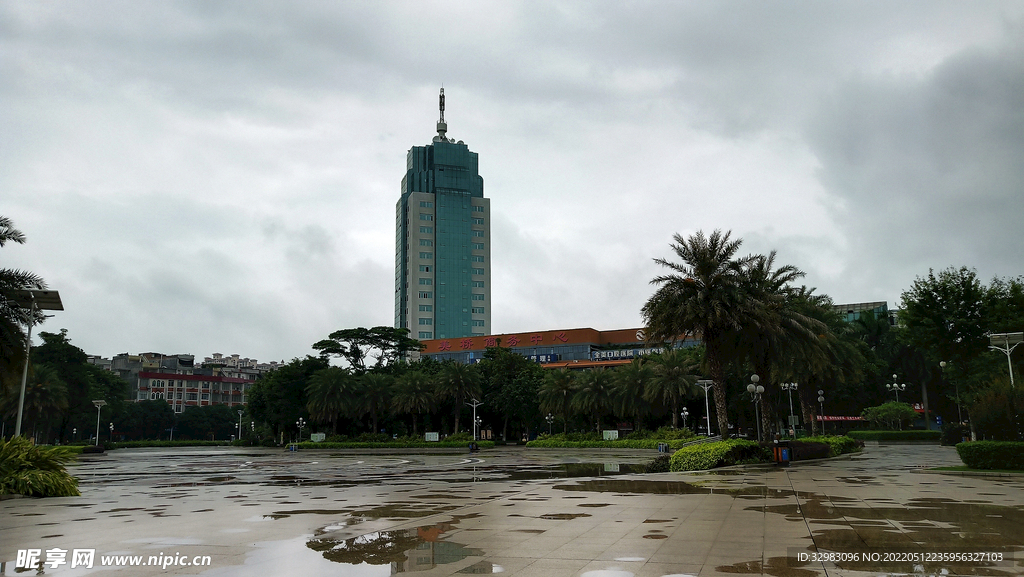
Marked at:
<point>443,242</point>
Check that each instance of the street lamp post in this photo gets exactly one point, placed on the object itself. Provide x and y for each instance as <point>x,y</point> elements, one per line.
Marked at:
<point>755,391</point>
<point>239,424</point>
<point>99,405</point>
<point>474,404</point>
<point>477,421</point>
<point>706,384</point>
<point>1001,342</point>
<point>33,300</point>
<point>684,413</point>
<point>301,423</point>
<point>111,432</point>
<point>895,388</point>
<point>956,386</point>
<point>550,419</point>
<point>790,387</point>
<point>74,434</point>
<point>821,409</point>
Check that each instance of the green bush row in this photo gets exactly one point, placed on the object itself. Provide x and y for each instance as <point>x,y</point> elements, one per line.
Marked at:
<point>837,445</point>
<point>395,445</point>
<point>137,444</point>
<point>718,454</point>
<point>895,435</point>
<point>619,444</point>
<point>992,454</point>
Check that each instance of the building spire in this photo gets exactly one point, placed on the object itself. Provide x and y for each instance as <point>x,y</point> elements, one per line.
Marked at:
<point>442,126</point>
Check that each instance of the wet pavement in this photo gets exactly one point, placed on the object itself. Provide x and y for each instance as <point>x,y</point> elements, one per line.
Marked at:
<point>516,511</point>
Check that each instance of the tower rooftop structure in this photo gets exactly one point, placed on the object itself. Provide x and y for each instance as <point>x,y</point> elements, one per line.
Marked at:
<point>442,244</point>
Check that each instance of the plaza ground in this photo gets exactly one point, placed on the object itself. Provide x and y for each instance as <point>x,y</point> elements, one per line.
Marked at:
<point>518,511</point>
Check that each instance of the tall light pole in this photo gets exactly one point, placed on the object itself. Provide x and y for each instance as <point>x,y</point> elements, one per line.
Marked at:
<point>474,404</point>
<point>792,417</point>
<point>956,386</point>
<point>239,425</point>
<point>895,387</point>
<point>301,423</point>
<point>34,301</point>
<point>99,405</point>
<point>755,391</point>
<point>706,384</point>
<point>821,410</point>
<point>550,419</point>
<point>1001,342</point>
<point>684,413</point>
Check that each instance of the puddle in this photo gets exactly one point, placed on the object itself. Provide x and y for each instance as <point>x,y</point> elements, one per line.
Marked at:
<point>776,566</point>
<point>562,516</point>
<point>402,550</point>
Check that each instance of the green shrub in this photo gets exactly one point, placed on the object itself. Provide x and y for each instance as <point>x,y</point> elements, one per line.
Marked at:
<point>915,435</point>
<point>718,454</point>
<point>26,469</point>
<point>660,464</point>
<point>992,454</point>
<point>838,445</point>
<point>597,444</point>
<point>954,433</point>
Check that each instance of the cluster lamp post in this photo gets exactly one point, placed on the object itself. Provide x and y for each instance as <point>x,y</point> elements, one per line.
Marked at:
<point>755,391</point>
<point>685,413</point>
<point>895,388</point>
<point>301,424</point>
<point>550,419</point>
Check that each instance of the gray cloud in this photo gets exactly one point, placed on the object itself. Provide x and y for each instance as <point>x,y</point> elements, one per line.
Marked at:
<point>200,177</point>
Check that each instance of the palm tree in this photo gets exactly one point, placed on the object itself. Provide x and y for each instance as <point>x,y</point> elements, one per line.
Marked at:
<point>673,380</point>
<point>46,395</point>
<point>631,382</point>
<point>12,316</point>
<point>775,330</point>
<point>594,394</point>
<point>414,394</point>
<point>555,394</point>
<point>374,391</point>
<point>329,394</point>
<point>459,383</point>
<point>703,297</point>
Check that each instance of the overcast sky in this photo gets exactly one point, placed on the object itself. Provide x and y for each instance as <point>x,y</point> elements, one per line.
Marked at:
<point>200,177</point>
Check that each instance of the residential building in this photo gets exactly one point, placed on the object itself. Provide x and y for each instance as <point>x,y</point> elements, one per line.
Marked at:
<point>443,242</point>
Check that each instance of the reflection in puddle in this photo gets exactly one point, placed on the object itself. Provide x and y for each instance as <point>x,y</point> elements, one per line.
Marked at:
<point>405,550</point>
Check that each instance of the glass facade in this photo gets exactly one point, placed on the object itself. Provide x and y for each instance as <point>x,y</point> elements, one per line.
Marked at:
<point>442,186</point>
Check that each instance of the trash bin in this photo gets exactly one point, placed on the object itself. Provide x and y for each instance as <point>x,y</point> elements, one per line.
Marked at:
<point>782,453</point>
<point>473,448</point>
<point>662,447</point>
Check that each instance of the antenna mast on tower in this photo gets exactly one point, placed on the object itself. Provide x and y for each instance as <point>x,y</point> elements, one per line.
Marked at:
<point>442,127</point>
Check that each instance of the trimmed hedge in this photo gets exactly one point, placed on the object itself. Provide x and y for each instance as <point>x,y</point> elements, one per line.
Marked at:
<point>837,445</point>
<point>138,444</point>
<point>718,454</point>
<point>895,435</point>
<point>393,445</point>
<point>619,444</point>
<point>1007,455</point>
